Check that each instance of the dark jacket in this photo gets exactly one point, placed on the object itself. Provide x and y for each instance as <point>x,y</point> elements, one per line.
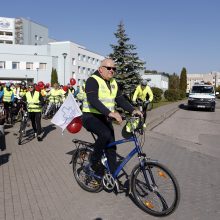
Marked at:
<point>92,89</point>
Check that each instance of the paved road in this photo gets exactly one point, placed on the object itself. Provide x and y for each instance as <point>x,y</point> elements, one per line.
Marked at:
<point>36,180</point>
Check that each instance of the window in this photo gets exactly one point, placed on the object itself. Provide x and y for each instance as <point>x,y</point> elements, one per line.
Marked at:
<point>15,65</point>
<point>84,70</point>
<point>42,66</point>
<point>36,37</point>
<point>1,33</point>
<point>84,58</point>
<point>1,42</point>
<point>79,56</point>
<point>8,42</point>
<point>29,66</point>
<point>41,39</point>
<point>8,33</point>
<point>2,64</point>
<point>79,69</point>
<point>73,61</point>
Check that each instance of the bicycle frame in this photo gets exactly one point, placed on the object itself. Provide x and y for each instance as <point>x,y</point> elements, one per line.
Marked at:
<point>136,150</point>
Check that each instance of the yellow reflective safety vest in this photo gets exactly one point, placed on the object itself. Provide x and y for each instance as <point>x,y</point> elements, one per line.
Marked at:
<point>55,96</point>
<point>33,102</point>
<point>22,92</point>
<point>141,94</point>
<point>106,96</point>
<point>7,95</point>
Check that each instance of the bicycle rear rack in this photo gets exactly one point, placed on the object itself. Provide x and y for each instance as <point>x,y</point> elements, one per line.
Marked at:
<point>81,143</point>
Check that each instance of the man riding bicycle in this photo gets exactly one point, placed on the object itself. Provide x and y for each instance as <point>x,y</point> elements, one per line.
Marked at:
<point>101,94</point>
<point>144,93</point>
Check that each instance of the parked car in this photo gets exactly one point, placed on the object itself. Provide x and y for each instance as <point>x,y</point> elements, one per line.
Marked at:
<point>202,96</point>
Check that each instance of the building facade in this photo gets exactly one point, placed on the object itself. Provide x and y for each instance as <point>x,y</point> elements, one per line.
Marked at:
<point>27,53</point>
<point>213,78</point>
<point>158,80</point>
<point>35,63</point>
<point>22,31</point>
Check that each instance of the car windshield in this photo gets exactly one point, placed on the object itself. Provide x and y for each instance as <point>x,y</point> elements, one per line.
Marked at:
<point>202,89</point>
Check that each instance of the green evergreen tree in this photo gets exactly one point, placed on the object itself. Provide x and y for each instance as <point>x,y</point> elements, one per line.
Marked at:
<point>183,80</point>
<point>127,62</point>
<point>174,81</point>
<point>54,77</point>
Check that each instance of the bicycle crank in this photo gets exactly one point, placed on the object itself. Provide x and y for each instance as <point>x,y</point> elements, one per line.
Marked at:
<point>108,181</point>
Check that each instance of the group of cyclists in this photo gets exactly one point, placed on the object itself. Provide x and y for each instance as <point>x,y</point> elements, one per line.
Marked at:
<point>37,99</point>
<point>42,100</point>
<point>97,98</point>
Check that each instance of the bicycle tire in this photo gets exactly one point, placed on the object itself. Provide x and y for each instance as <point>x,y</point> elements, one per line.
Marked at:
<point>157,202</point>
<point>20,133</point>
<point>22,130</point>
<point>86,181</point>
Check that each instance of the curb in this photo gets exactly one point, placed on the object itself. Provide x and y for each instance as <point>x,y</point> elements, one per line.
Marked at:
<point>157,121</point>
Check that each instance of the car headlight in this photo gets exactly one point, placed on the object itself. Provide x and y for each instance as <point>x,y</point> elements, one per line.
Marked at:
<point>211,100</point>
<point>190,99</point>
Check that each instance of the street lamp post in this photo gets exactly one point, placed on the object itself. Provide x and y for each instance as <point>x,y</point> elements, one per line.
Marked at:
<point>37,74</point>
<point>64,56</point>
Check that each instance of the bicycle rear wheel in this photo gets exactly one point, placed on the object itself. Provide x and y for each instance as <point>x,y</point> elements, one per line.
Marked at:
<point>21,131</point>
<point>80,171</point>
<point>163,197</point>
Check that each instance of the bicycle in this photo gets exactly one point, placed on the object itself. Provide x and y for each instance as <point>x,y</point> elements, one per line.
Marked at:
<point>23,124</point>
<point>153,186</point>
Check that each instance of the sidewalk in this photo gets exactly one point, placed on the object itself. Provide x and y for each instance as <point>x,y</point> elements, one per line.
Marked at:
<point>36,179</point>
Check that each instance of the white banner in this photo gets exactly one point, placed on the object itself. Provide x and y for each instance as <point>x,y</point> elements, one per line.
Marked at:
<point>67,112</point>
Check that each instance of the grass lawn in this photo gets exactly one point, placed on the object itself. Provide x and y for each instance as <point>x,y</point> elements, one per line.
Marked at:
<point>161,103</point>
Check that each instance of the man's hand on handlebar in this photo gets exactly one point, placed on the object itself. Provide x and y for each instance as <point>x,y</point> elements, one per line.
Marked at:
<point>116,116</point>
<point>137,112</point>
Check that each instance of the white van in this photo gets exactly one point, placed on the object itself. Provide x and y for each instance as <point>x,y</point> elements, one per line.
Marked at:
<point>202,96</point>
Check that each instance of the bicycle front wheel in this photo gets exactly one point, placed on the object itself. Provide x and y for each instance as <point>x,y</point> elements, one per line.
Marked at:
<point>80,169</point>
<point>22,131</point>
<point>161,195</point>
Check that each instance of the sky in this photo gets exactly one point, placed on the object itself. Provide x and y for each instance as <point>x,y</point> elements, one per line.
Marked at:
<point>168,34</point>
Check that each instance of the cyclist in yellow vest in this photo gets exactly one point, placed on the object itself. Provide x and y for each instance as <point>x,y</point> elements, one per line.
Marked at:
<point>34,102</point>
<point>144,93</point>
<point>23,89</point>
<point>71,89</point>
<point>8,99</point>
<point>55,97</point>
<point>101,94</point>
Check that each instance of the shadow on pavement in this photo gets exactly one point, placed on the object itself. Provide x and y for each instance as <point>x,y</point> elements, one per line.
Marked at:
<point>47,130</point>
<point>4,158</point>
<point>184,106</point>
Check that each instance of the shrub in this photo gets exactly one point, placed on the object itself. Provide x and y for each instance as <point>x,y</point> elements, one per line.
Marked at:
<point>157,94</point>
<point>171,94</point>
<point>182,94</point>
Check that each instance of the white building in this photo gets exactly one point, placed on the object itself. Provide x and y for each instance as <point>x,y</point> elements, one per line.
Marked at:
<point>27,53</point>
<point>212,78</point>
<point>35,63</point>
<point>22,31</point>
<point>159,80</point>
